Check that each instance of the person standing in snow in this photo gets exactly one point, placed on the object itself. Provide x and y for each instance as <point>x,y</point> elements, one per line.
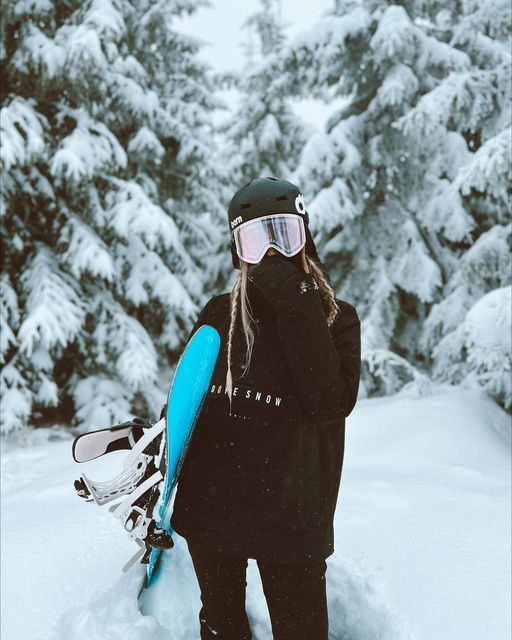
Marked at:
<point>262,473</point>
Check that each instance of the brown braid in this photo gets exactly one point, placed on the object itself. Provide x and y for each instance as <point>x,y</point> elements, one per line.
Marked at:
<point>235,294</point>
<point>239,293</point>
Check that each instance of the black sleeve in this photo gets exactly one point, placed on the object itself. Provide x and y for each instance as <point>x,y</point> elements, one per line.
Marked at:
<point>325,363</point>
<point>202,318</point>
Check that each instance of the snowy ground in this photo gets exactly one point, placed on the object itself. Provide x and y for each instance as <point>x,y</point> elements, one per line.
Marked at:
<point>422,536</point>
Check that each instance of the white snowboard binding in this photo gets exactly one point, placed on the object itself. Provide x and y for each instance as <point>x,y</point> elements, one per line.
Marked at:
<point>138,484</point>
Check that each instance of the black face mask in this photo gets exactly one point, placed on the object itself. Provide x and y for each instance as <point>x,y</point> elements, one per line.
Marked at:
<point>296,259</point>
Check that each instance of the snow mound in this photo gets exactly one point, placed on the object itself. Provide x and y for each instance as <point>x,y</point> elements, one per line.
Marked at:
<point>357,608</point>
<point>423,524</point>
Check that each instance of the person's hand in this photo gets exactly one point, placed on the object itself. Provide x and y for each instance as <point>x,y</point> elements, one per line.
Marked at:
<point>271,272</point>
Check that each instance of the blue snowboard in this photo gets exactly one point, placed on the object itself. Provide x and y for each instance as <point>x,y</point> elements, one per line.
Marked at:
<point>184,402</point>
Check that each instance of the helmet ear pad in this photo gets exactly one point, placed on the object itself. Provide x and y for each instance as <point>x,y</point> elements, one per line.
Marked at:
<point>234,255</point>
<point>310,245</point>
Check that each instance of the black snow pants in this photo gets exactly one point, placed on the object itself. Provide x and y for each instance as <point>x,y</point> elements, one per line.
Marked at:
<point>295,594</point>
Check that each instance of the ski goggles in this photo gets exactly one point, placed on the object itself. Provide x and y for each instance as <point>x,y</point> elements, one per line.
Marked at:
<point>283,231</point>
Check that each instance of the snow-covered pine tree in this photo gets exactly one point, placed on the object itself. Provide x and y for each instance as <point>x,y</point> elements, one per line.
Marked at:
<point>264,136</point>
<point>468,331</point>
<point>409,183</point>
<point>108,206</point>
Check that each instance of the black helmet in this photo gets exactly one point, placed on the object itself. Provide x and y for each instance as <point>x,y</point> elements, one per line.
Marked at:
<point>263,197</point>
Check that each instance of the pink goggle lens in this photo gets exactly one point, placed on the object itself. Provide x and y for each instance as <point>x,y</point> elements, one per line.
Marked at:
<point>283,231</point>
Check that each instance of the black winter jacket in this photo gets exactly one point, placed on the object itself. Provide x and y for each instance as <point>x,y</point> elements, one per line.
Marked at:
<point>263,482</point>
